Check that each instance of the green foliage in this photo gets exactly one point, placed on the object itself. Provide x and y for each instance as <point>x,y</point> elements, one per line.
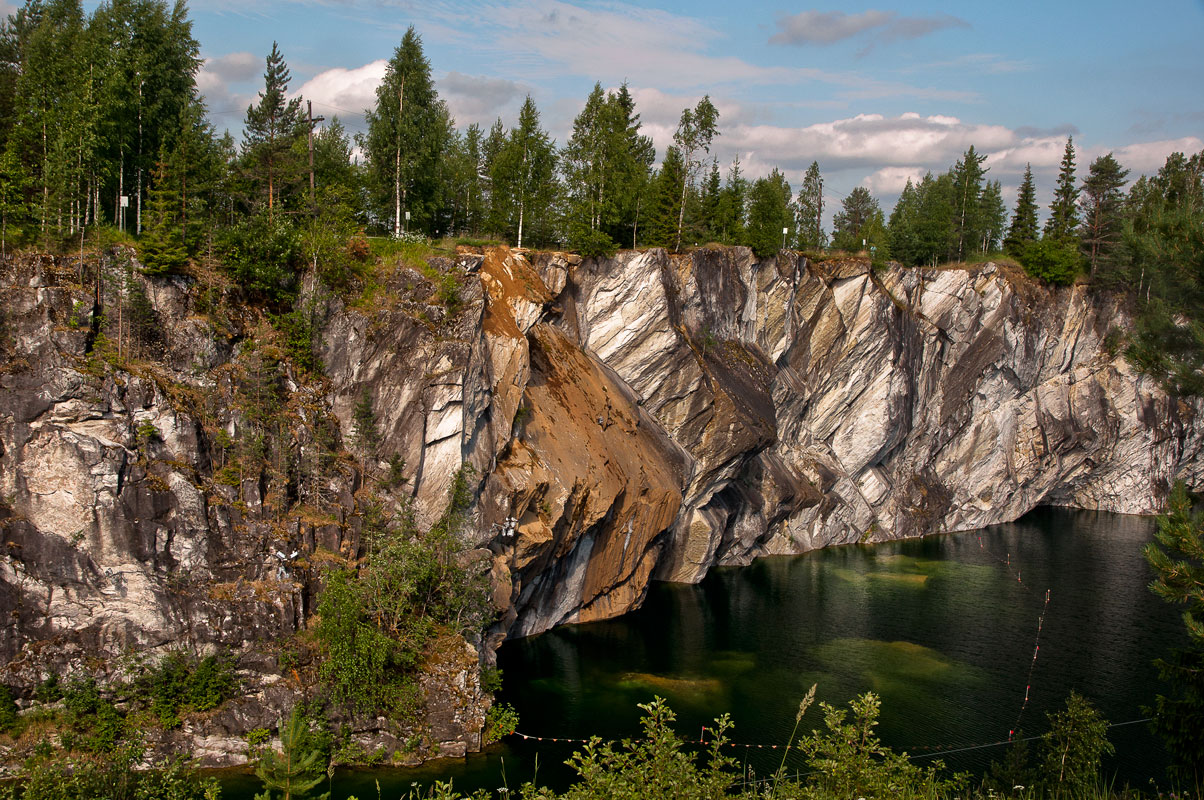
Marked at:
<point>262,254</point>
<point>593,244</point>
<point>1177,557</point>
<point>375,625</point>
<point>297,768</point>
<point>118,777</point>
<point>848,760</point>
<point>300,327</point>
<point>1063,211</point>
<point>1072,748</point>
<point>1023,229</point>
<point>1052,261</point>
<point>653,767</point>
<point>769,213</point>
<point>859,220</point>
<point>162,244</point>
<point>363,423</point>
<point>500,721</point>
<point>8,710</point>
<point>180,683</point>
<point>271,134</point>
<point>93,723</point>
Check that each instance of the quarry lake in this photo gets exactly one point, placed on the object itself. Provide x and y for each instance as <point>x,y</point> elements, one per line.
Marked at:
<point>943,629</point>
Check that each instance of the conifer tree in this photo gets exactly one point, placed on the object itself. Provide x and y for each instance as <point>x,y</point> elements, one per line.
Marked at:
<point>710,204</point>
<point>904,245</point>
<point>273,128</point>
<point>732,204</point>
<point>1102,203</point>
<point>1063,217</point>
<point>667,194</point>
<point>1024,219</point>
<point>851,224</point>
<point>162,244</point>
<point>809,210</point>
<point>993,215</point>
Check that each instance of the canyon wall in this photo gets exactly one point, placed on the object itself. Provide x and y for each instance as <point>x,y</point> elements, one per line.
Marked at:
<point>641,417</point>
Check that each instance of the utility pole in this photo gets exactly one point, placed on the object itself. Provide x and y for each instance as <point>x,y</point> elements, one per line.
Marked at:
<point>309,131</point>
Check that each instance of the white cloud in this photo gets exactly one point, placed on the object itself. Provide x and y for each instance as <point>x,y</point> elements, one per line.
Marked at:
<point>224,81</point>
<point>345,91</point>
<point>892,180</point>
<point>1146,158</point>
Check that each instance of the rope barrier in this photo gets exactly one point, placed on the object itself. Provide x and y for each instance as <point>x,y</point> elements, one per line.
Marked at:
<point>937,749</point>
<point>1032,665</point>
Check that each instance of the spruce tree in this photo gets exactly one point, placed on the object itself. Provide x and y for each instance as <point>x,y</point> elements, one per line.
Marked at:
<point>1063,216</point>
<point>589,163</point>
<point>162,244</point>
<point>667,194</point>
<point>809,209</point>
<point>1101,203</point>
<point>1024,219</point>
<point>732,202</point>
<point>993,215</point>
<point>904,245</point>
<point>273,127</point>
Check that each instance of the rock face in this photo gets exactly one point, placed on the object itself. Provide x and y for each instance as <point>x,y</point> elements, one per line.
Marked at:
<point>646,416</point>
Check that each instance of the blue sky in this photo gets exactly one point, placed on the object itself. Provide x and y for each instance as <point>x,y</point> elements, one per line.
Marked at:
<point>874,93</point>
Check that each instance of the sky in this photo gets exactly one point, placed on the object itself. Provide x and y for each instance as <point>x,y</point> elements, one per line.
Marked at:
<point>874,94</point>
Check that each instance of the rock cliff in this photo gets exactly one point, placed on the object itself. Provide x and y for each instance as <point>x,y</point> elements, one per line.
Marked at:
<point>626,419</point>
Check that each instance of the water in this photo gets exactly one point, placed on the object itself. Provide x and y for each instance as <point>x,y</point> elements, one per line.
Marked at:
<point>942,629</point>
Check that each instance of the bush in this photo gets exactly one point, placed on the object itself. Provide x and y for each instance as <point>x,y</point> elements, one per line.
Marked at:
<point>8,710</point>
<point>262,255</point>
<point>592,244</point>
<point>1072,748</point>
<point>1052,262</point>
<point>179,684</point>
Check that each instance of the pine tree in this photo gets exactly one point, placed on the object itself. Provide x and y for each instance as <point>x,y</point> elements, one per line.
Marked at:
<point>273,128</point>
<point>809,210</point>
<point>1063,218</point>
<point>769,213</point>
<point>732,203</point>
<point>632,170</point>
<point>1024,220</point>
<point>1102,203</point>
<point>710,204</point>
<point>297,768</point>
<point>851,223</point>
<point>695,132</point>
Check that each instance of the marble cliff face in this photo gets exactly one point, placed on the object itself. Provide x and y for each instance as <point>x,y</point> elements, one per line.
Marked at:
<point>627,419</point>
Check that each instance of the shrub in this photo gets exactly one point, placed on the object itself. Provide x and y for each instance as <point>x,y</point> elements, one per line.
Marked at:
<point>1052,262</point>
<point>593,244</point>
<point>1072,748</point>
<point>262,255</point>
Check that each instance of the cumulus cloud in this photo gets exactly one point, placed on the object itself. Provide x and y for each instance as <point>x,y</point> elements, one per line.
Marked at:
<point>345,91</point>
<point>829,27</point>
<point>892,180</point>
<point>1146,158</point>
<point>478,98</point>
<point>224,82</point>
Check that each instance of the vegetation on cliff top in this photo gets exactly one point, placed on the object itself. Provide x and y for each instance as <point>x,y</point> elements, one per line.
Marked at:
<point>95,108</point>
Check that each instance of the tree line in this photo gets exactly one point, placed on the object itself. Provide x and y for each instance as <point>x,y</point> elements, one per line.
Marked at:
<point>102,126</point>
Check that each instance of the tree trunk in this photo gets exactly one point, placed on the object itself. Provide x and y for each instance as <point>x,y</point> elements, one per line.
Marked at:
<point>401,100</point>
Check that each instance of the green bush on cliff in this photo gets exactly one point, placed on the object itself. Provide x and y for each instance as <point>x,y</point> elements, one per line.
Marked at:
<point>376,622</point>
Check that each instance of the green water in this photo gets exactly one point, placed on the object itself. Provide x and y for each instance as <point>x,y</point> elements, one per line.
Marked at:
<point>943,629</point>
